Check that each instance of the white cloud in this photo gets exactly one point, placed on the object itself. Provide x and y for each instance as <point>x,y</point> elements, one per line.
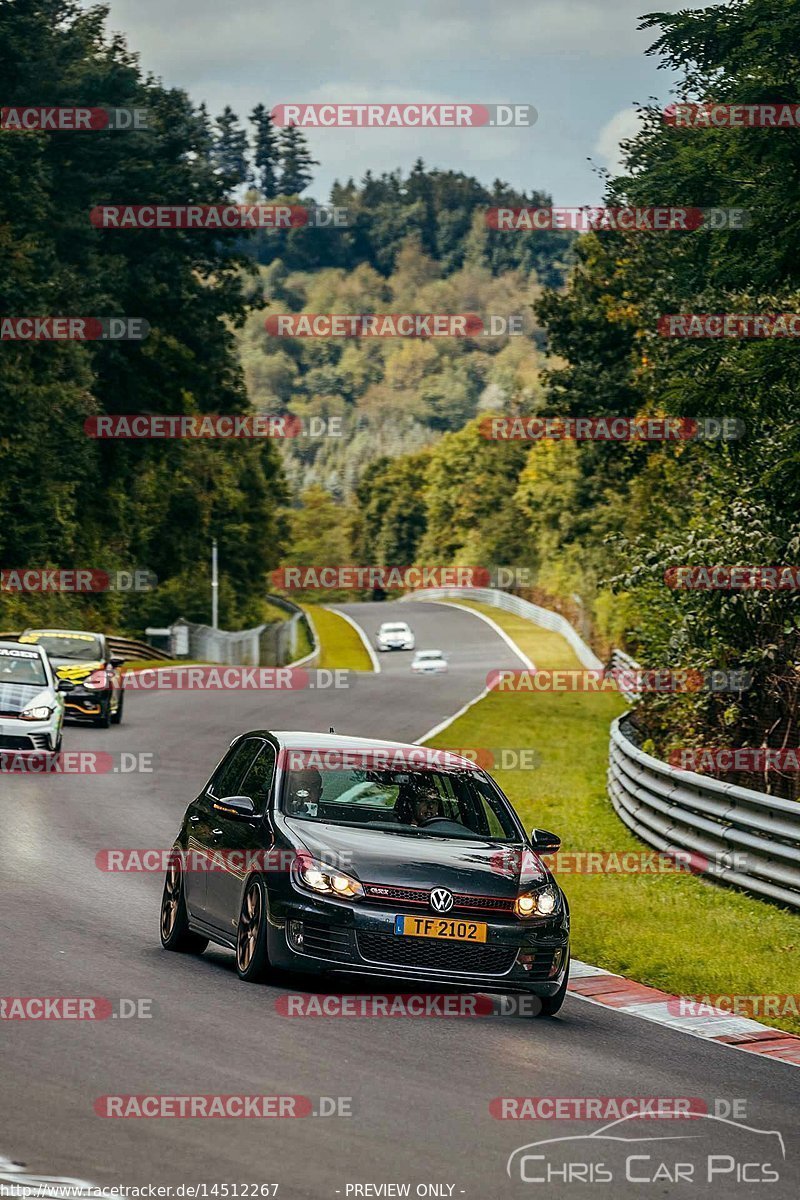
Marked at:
<point>624,124</point>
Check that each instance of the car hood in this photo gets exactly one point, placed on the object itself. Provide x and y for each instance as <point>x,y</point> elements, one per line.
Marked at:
<point>68,668</point>
<point>411,860</point>
<point>15,698</point>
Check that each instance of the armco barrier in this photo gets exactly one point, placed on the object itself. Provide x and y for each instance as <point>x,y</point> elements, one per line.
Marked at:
<point>126,648</point>
<point>520,608</point>
<point>741,837</point>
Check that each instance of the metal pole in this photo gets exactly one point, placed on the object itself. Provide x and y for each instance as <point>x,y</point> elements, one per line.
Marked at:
<point>214,586</point>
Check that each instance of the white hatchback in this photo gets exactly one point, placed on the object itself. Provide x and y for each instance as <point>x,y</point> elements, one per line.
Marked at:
<point>429,662</point>
<point>31,706</point>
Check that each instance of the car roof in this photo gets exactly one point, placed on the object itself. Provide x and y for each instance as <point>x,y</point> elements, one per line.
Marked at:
<point>294,739</point>
<point>6,645</point>
<point>428,653</point>
<point>64,632</point>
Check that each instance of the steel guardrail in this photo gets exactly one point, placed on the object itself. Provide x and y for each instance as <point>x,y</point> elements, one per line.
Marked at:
<point>744,838</point>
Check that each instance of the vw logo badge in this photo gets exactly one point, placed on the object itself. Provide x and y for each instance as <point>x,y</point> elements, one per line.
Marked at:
<point>441,900</point>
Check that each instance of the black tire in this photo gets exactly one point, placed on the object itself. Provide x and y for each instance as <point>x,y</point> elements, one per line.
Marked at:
<point>116,718</point>
<point>104,720</point>
<point>552,1004</point>
<point>174,921</point>
<point>252,961</point>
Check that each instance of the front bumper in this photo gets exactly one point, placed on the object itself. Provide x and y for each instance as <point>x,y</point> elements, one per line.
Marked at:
<point>331,937</point>
<point>35,736</point>
<point>395,645</point>
<point>86,704</point>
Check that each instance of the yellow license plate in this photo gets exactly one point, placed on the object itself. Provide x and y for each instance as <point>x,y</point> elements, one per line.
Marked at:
<point>441,927</point>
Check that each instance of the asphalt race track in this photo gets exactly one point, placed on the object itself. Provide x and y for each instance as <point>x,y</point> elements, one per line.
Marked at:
<point>420,1088</point>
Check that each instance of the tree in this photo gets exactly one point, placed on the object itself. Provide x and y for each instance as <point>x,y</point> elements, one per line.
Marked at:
<point>230,150</point>
<point>296,161</point>
<point>266,154</point>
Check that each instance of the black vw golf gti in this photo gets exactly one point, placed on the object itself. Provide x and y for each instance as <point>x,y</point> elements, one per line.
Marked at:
<point>314,852</point>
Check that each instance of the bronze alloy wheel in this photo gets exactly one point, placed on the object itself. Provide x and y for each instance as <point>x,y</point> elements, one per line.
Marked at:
<point>249,927</point>
<point>170,901</point>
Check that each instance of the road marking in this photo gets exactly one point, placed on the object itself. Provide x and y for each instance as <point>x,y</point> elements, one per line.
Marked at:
<point>501,633</point>
<point>376,666</point>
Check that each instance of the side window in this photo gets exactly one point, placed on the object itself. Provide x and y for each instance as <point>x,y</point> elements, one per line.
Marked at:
<point>228,779</point>
<point>259,778</point>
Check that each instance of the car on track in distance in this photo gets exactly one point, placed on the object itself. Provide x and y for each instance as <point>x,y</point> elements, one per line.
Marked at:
<point>31,703</point>
<point>94,687</point>
<point>429,662</point>
<point>328,854</point>
<point>395,635</point>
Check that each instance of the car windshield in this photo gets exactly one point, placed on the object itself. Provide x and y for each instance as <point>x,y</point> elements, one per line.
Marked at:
<point>394,629</point>
<point>83,646</point>
<point>22,668</point>
<point>429,654</point>
<point>445,804</point>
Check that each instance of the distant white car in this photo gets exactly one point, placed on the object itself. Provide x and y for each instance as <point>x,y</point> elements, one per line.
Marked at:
<point>395,635</point>
<point>429,662</point>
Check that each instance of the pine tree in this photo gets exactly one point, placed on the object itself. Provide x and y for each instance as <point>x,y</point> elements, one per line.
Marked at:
<point>230,150</point>
<point>266,153</point>
<point>296,162</point>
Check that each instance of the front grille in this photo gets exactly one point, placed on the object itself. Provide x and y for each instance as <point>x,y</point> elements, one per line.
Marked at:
<point>7,742</point>
<point>542,964</point>
<point>461,900</point>
<point>431,954</point>
<point>326,941</point>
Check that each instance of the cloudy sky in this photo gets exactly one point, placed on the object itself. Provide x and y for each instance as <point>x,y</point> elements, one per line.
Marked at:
<point>581,63</point>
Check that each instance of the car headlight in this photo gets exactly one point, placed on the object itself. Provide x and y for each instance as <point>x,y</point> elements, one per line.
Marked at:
<point>41,713</point>
<point>96,681</point>
<point>536,904</point>
<point>319,877</point>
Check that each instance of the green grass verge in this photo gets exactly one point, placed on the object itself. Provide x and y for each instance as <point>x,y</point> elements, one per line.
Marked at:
<point>677,932</point>
<point>341,647</point>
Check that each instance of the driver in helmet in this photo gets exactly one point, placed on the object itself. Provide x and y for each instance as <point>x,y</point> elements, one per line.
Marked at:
<point>305,789</point>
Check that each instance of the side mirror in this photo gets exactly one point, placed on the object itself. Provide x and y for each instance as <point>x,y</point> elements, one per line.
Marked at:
<point>65,685</point>
<point>240,808</point>
<point>544,842</point>
<point>117,662</point>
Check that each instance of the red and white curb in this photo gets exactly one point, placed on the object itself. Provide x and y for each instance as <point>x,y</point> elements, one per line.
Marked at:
<point>638,1000</point>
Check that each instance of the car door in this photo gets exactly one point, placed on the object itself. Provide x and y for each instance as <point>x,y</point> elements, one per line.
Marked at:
<point>238,842</point>
<point>202,829</point>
